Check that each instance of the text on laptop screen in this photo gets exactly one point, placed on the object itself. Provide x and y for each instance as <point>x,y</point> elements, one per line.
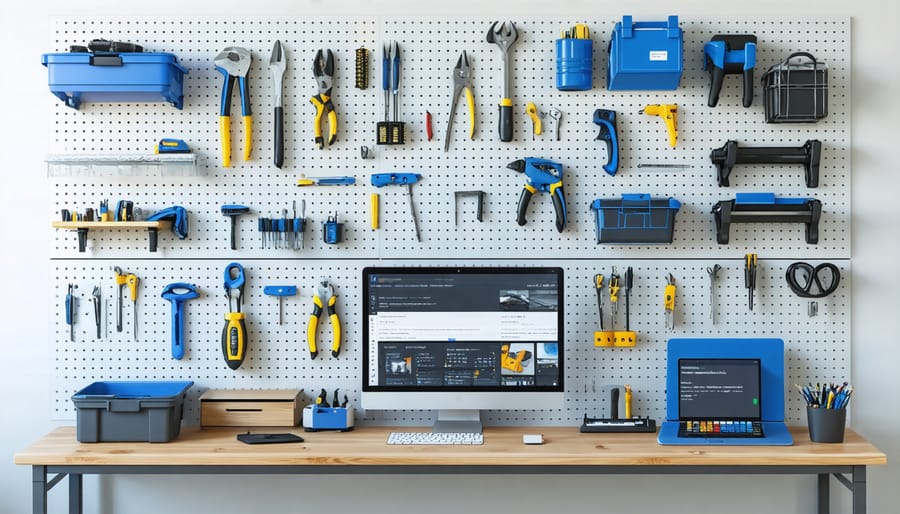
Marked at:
<point>719,389</point>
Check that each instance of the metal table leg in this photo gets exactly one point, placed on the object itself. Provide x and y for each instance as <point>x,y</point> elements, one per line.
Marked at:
<point>75,489</point>
<point>859,490</point>
<point>823,501</point>
<point>38,489</point>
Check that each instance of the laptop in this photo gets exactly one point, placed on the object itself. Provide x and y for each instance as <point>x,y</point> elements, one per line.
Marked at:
<point>725,392</point>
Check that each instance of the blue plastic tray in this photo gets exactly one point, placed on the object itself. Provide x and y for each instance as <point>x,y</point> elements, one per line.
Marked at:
<point>123,411</point>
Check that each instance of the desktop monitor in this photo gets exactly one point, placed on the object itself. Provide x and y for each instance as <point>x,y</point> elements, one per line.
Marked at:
<point>460,340</point>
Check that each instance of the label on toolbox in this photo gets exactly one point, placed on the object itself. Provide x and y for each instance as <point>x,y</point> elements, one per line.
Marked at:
<point>659,55</point>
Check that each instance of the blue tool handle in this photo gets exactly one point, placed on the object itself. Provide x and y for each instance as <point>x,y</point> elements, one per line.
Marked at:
<point>280,290</point>
<point>385,72</point>
<point>70,303</point>
<point>395,71</point>
<point>177,329</point>
<point>612,150</point>
<point>225,102</point>
<point>524,198</point>
<point>330,181</point>
<point>559,205</point>
<point>237,281</point>
<point>387,179</point>
<point>245,95</point>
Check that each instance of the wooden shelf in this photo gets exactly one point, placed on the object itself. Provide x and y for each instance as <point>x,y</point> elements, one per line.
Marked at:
<point>83,226</point>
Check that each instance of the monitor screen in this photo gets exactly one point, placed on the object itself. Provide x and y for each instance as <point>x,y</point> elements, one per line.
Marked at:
<point>473,333</point>
<point>719,389</point>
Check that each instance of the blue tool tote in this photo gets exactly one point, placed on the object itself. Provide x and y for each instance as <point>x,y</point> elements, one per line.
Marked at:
<point>645,55</point>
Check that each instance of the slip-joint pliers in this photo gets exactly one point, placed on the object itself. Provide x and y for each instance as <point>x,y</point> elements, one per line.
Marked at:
<point>462,80</point>
<point>323,70</point>
<point>324,300</point>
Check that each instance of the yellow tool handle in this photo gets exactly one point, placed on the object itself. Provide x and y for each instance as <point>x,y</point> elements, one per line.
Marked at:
<point>598,281</point>
<point>319,104</point>
<point>306,182</point>
<point>614,292</point>
<point>225,136</point>
<point>248,136</point>
<point>332,127</point>
<point>234,337</point>
<point>669,297</point>
<point>121,279</point>
<point>470,99</point>
<point>335,327</point>
<point>627,401</point>
<point>373,209</point>
<point>531,111</point>
<point>132,280</point>
<point>313,326</point>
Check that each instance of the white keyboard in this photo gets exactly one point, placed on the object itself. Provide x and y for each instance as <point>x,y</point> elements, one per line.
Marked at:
<point>435,438</point>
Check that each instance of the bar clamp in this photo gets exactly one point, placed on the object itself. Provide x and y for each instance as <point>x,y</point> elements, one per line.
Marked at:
<point>809,155</point>
<point>765,207</point>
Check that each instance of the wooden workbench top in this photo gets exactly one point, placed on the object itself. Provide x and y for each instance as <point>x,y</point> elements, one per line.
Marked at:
<point>365,446</point>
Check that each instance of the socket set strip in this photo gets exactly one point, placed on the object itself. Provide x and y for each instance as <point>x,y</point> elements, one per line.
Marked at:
<point>278,357</point>
<point>817,346</point>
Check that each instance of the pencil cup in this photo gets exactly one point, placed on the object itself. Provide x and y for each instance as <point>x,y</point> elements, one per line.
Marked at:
<point>574,64</point>
<point>826,425</point>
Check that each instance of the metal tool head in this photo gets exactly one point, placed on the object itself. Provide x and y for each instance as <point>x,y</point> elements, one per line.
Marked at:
<point>277,65</point>
<point>504,36</point>
<point>234,61</point>
<point>462,72</point>
<point>325,290</point>
<point>541,173</point>
<point>323,71</point>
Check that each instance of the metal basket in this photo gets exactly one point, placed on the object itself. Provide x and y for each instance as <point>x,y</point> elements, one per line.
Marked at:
<point>796,91</point>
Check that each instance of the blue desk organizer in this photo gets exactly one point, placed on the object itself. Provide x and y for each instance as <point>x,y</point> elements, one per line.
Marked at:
<point>645,55</point>
<point>317,417</point>
<point>77,77</point>
<point>635,218</point>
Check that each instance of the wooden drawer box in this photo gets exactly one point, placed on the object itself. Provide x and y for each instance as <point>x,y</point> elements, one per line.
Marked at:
<point>250,408</point>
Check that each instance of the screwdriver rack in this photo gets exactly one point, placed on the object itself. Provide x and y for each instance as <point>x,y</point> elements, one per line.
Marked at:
<point>82,227</point>
<point>277,358</point>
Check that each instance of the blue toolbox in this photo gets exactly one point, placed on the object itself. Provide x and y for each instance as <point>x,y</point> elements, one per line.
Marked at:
<point>635,218</point>
<point>130,411</point>
<point>77,77</point>
<point>322,417</point>
<point>645,55</point>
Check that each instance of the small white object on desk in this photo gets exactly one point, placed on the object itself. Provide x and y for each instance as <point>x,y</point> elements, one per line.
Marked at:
<point>533,439</point>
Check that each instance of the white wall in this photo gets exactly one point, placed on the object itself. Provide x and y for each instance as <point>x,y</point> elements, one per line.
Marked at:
<point>25,314</point>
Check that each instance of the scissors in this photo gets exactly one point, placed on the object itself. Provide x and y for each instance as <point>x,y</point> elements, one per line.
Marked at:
<point>808,281</point>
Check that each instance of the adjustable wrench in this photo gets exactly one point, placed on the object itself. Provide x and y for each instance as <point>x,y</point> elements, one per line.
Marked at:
<point>504,37</point>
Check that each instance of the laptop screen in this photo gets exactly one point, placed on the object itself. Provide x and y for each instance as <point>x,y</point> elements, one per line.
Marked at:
<point>719,389</point>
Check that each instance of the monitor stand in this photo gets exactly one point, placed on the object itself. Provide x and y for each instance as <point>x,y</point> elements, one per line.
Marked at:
<point>468,421</point>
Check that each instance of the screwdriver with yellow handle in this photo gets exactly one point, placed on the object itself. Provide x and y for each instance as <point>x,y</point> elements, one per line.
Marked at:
<point>326,181</point>
<point>121,279</point>
<point>613,298</point>
<point>133,281</point>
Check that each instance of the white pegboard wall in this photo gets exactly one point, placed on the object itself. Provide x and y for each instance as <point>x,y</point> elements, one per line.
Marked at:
<point>430,48</point>
<point>818,348</point>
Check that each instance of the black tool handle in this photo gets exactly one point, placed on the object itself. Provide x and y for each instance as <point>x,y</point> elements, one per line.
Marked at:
<point>614,403</point>
<point>716,77</point>
<point>524,198</point>
<point>560,208</point>
<point>233,226</point>
<point>279,137</point>
<point>506,121</point>
<point>748,87</point>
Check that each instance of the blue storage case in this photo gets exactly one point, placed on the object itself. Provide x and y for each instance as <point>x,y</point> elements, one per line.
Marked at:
<point>78,77</point>
<point>645,55</point>
<point>130,411</point>
<point>635,218</point>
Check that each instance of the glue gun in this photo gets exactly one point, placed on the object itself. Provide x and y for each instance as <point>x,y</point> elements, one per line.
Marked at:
<point>669,114</point>
<point>545,177</point>
<point>607,121</point>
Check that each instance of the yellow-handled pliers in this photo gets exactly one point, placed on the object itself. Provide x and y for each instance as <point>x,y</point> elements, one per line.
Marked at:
<point>462,80</point>
<point>324,300</point>
<point>323,70</point>
<point>234,63</point>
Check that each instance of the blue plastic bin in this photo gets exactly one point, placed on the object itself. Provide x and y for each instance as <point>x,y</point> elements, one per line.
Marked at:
<point>645,55</point>
<point>574,64</point>
<point>635,218</point>
<point>78,77</point>
<point>130,411</point>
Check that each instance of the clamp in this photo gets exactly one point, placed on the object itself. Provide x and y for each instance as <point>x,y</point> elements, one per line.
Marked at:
<point>234,334</point>
<point>809,155</point>
<point>543,176</point>
<point>324,300</point>
<point>730,54</point>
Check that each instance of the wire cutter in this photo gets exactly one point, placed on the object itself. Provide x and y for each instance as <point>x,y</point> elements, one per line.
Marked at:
<point>462,80</point>
<point>543,176</point>
<point>323,70</point>
<point>234,63</point>
<point>324,299</point>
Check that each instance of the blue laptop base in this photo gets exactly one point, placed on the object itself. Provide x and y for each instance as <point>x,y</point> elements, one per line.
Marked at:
<point>775,433</point>
<point>770,352</point>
